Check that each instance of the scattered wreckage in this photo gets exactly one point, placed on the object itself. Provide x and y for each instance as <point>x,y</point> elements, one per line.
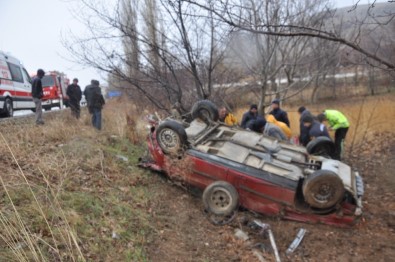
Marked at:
<point>237,167</point>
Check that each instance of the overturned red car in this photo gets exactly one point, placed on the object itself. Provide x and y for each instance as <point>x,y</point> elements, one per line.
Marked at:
<point>236,167</point>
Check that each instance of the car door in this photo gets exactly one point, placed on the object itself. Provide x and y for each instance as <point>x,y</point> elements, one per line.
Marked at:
<point>21,94</point>
<point>6,84</point>
<point>28,89</point>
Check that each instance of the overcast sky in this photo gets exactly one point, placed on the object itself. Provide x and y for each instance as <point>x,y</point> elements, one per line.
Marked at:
<point>31,30</point>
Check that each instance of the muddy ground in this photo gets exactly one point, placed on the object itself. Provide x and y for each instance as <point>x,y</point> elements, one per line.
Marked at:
<point>186,235</point>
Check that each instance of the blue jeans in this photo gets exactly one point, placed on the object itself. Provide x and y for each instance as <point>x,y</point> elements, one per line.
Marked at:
<point>96,118</point>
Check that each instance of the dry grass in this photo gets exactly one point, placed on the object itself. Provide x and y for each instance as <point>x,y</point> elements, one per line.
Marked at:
<point>64,193</point>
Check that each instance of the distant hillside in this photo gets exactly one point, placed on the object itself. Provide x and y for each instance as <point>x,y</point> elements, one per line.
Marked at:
<point>242,51</point>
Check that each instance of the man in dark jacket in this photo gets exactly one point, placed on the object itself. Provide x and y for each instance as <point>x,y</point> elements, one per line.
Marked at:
<point>95,101</point>
<point>37,94</point>
<point>315,128</point>
<point>278,113</point>
<point>256,125</point>
<point>304,137</point>
<point>74,93</point>
<point>250,115</point>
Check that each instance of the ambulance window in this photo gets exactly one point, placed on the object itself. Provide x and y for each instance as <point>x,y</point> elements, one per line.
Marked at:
<point>26,75</point>
<point>16,73</point>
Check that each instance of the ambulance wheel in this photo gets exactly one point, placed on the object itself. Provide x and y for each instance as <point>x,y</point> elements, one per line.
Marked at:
<point>8,107</point>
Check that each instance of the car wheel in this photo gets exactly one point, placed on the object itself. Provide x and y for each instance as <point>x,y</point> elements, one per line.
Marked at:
<point>321,146</point>
<point>8,107</point>
<point>323,189</point>
<point>171,137</point>
<point>220,198</point>
<point>47,108</point>
<point>205,110</point>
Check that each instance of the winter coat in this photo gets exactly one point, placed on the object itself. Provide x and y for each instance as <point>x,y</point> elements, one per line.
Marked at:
<point>248,116</point>
<point>229,120</point>
<point>280,115</point>
<point>37,88</point>
<point>336,119</point>
<point>74,93</point>
<point>256,125</point>
<point>304,137</point>
<point>274,131</point>
<point>317,129</point>
<point>94,97</point>
<point>286,130</point>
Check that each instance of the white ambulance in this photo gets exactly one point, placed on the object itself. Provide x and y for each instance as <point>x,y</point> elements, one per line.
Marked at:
<point>15,86</point>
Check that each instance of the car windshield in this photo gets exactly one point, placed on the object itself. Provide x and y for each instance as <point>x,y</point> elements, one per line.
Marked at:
<point>48,81</point>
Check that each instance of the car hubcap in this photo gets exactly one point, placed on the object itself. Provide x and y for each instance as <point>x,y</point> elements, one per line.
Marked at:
<point>324,194</point>
<point>169,139</point>
<point>220,199</point>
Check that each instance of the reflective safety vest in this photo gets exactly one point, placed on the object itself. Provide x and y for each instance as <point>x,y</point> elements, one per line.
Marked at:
<point>336,119</point>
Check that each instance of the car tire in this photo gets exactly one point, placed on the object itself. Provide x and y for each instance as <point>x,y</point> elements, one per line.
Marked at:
<point>171,137</point>
<point>321,146</point>
<point>323,189</point>
<point>8,110</point>
<point>220,198</point>
<point>205,110</point>
<point>47,108</point>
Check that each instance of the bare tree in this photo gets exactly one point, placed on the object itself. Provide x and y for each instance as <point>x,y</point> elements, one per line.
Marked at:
<point>169,53</point>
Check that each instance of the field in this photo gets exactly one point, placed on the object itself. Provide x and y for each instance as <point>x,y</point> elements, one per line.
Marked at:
<point>69,193</point>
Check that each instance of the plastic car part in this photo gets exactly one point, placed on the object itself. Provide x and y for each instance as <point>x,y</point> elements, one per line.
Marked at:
<point>267,228</point>
<point>205,110</point>
<point>323,189</point>
<point>171,137</point>
<point>321,146</point>
<point>294,245</point>
<point>220,198</point>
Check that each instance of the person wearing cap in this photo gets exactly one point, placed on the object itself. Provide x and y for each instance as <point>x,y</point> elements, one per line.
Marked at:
<point>315,129</point>
<point>252,114</point>
<point>304,137</point>
<point>226,117</point>
<point>37,94</point>
<point>74,93</point>
<point>338,122</point>
<point>278,113</point>
<point>95,101</point>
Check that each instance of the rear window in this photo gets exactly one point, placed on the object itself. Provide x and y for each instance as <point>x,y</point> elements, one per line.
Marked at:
<point>16,73</point>
<point>48,81</point>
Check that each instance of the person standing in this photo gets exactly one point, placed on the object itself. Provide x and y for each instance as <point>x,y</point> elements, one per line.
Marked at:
<point>95,101</point>
<point>37,94</point>
<point>249,115</point>
<point>226,117</point>
<point>338,122</point>
<point>278,113</point>
<point>74,93</point>
<point>304,137</point>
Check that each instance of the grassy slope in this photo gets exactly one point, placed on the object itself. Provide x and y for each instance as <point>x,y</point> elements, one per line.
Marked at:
<point>75,198</point>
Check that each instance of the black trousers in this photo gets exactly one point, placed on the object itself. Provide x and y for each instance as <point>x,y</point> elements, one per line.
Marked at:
<point>340,135</point>
<point>75,108</point>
